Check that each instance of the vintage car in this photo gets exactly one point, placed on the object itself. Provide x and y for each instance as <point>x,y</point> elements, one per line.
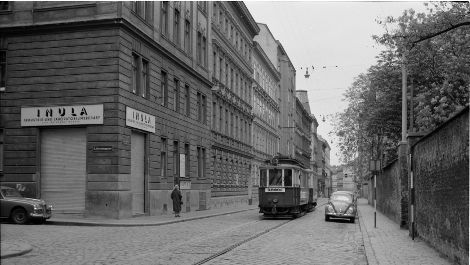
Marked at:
<point>21,210</point>
<point>341,205</point>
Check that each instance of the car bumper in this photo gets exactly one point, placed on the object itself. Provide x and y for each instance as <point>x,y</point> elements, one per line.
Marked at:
<point>340,215</point>
<point>41,214</point>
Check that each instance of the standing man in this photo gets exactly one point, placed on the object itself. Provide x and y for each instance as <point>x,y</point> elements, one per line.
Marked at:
<point>176,197</point>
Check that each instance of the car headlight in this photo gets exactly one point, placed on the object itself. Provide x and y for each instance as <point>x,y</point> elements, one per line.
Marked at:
<point>37,207</point>
<point>329,208</point>
<point>350,210</point>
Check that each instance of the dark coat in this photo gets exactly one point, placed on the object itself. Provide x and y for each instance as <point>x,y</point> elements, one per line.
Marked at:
<point>176,197</point>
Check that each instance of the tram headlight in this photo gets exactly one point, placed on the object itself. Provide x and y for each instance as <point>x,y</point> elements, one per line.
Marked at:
<point>275,201</point>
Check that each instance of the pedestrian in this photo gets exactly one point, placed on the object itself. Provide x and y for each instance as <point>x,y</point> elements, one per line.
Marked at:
<point>176,197</point>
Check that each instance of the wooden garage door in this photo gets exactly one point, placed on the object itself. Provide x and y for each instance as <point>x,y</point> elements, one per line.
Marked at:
<point>138,172</point>
<point>63,169</point>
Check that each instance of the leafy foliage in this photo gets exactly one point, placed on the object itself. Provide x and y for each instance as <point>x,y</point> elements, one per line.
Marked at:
<point>436,46</point>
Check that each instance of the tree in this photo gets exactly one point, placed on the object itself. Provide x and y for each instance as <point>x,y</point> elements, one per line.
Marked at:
<point>437,55</point>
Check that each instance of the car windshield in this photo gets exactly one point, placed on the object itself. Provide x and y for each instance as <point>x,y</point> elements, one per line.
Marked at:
<point>341,197</point>
<point>10,192</point>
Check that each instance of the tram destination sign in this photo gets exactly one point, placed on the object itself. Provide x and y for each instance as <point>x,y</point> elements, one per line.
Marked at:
<point>275,189</point>
<point>62,115</point>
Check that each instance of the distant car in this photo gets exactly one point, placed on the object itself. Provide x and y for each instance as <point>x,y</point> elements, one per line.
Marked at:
<point>342,204</point>
<point>21,210</point>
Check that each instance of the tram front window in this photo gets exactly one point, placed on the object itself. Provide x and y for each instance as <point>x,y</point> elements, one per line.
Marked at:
<point>275,177</point>
<point>288,177</point>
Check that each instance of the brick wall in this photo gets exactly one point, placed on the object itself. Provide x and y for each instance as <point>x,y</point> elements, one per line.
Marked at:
<point>441,173</point>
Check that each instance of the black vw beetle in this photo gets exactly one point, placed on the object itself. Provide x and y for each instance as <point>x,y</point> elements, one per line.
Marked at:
<point>342,204</point>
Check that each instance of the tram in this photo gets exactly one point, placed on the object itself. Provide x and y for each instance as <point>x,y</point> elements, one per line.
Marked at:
<point>286,188</point>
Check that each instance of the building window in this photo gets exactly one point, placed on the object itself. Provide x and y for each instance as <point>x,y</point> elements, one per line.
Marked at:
<point>1,150</point>
<point>143,9</point>
<point>145,79</point>
<point>199,48</point>
<point>214,65</point>
<point>231,79</point>
<point>187,94</point>
<point>220,69</point>
<point>187,36</point>
<point>214,116</point>
<point>221,119</point>
<point>204,109</point>
<point>176,161</point>
<point>235,134</point>
<point>163,158</point>
<point>231,124</point>
<point>140,76</point>
<point>135,73</point>
<point>201,161</point>
<point>226,122</point>
<point>176,27</point>
<point>226,74</point>
<point>201,108</point>
<point>187,160</point>
<point>176,102</point>
<point>204,51</point>
<point>164,86</point>
<point>4,5</point>
<point>164,18</point>
<point>3,69</point>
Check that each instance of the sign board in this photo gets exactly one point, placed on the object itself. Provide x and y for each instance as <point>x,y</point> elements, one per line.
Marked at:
<point>274,189</point>
<point>62,115</point>
<point>185,184</point>
<point>374,165</point>
<point>102,148</point>
<point>140,120</point>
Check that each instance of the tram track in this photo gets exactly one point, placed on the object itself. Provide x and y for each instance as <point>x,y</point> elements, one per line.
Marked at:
<point>232,247</point>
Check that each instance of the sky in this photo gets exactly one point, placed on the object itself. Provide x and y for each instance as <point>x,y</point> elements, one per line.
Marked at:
<point>333,37</point>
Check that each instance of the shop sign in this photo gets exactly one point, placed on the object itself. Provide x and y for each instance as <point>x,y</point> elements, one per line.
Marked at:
<point>102,148</point>
<point>185,184</point>
<point>140,120</point>
<point>62,115</point>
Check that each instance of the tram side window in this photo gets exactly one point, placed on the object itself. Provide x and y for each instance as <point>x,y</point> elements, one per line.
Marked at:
<point>288,177</point>
<point>262,177</point>
<point>303,180</point>
<point>275,177</point>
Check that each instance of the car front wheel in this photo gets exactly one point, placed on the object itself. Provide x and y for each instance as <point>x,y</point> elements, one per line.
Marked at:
<point>327,218</point>
<point>19,216</point>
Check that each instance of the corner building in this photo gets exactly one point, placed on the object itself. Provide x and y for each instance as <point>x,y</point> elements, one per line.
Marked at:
<point>233,29</point>
<point>105,105</point>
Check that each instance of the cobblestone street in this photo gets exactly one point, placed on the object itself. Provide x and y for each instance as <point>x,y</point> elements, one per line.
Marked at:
<point>306,240</point>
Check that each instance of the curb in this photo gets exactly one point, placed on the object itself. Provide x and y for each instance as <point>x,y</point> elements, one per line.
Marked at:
<point>18,249</point>
<point>157,223</point>
<point>369,251</point>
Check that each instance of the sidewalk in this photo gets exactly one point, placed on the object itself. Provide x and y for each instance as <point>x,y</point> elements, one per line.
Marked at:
<point>389,244</point>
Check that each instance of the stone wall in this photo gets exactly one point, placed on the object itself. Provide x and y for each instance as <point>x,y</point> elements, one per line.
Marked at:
<point>388,192</point>
<point>441,178</point>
